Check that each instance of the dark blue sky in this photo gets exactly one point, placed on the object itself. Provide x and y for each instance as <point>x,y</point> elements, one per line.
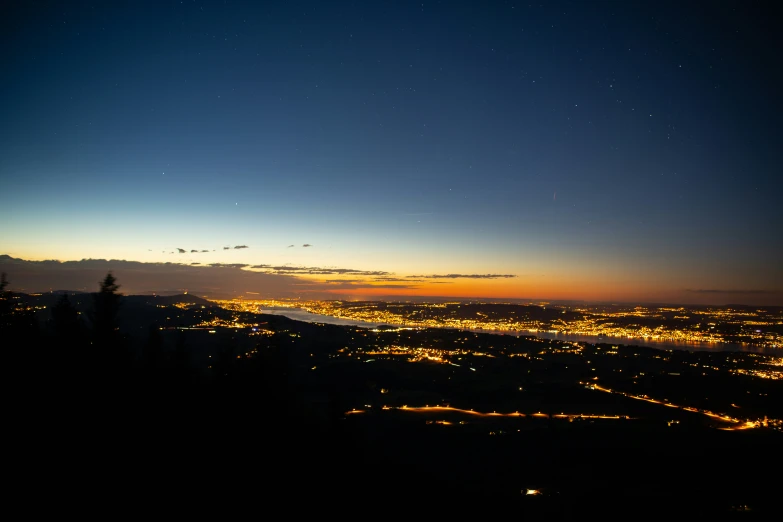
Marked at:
<point>591,149</point>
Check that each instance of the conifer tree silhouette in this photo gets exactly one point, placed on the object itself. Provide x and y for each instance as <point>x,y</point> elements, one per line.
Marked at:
<point>64,349</point>
<point>19,339</point>
<point>5,304</point>
<point>66,323</point>
<point>109,359</point>
<point>106,306</point>
<point>15,322</point>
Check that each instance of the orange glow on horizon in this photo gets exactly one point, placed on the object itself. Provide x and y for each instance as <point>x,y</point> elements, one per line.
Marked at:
<point>514,289</point>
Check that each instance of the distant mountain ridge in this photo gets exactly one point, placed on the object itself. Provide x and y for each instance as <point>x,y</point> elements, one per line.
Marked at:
<point>168,300</point>
<point>143,278</point>
<point>49,298</point>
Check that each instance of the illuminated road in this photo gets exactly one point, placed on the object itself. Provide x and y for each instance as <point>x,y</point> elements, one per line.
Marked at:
<point>449,409</point>
<point>737,424</point>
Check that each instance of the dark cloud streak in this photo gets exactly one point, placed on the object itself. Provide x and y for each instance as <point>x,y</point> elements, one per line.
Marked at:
<point>728,292</point>
<point>305,270</point>
<point>465,276</point>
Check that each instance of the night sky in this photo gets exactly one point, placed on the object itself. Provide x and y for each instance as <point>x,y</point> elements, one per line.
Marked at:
<point>622,151</point>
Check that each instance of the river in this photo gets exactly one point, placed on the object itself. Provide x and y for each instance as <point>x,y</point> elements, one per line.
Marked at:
<point>298,314</point>
<point>302,315</point>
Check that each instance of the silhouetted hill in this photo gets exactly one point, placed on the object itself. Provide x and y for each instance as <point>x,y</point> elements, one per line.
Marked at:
<point>47,299</point>
<point>750,308</point>
<point>167,300</point>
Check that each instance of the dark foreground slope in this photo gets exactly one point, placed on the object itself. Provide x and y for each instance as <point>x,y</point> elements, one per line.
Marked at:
<point>250,415</point>
<point>215,451</point>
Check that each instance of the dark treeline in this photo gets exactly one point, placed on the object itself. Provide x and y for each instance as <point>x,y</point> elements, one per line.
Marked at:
<point>82,363</point>
<point>85,357</point>
<point>80,384</point>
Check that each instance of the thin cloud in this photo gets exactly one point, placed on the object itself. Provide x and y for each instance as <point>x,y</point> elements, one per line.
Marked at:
<point>192,251</point>
<point>729,292</point>
<point>306,245</point>
<point>353,285</point>
<point>228,265</point>
<point>464,276</point>
<point>377,275</point>
<point>240,247</point>
<point>226,248</point>
<point>366,282</point>
<point>290,246</point>
<point>311,270</point>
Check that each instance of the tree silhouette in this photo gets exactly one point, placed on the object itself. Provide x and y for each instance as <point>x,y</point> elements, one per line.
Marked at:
<point>22,358</point>
<point>66,323</point>
<point>13,357</point>
<point>16,322</point>
<point>109,359</point>
<point>64,348</point>
<point>5,304</point>
<point>106,306</point>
